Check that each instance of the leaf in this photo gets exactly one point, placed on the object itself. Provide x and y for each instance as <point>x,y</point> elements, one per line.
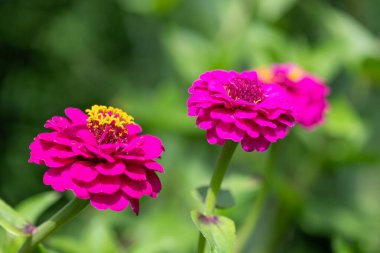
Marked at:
<point>341,246</point>
<point>219,231</point>
<point>99,237</point>
<point>272,10</point>
<point>11,220</point>
<point>224,200</point>
<point>344,122</point>
<point>43,249</point>
<point>190,52</point>
<point>34,206</point>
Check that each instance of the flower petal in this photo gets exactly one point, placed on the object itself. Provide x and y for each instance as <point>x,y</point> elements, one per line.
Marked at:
<point>135,205</point>
<point>116,202</point>
<point>135,172</point>
<point>134,129</point>
<point>152,146</point>
<point>155,183</point>
<point>83,171</point>
<point>135,189</point>
<point>213,138</point>
<point>116,168</point>
<point>87,137</point>
<point>229,131</point>
<point>222,114</point>
<point>249,144</point>
<point>76,115</point>
<point>104,184</point>
<point>152,165</point>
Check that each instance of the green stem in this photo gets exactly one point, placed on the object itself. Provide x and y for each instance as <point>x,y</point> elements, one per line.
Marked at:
<point>215,183</point>
<point>69,211</point>
<point>254,212</point>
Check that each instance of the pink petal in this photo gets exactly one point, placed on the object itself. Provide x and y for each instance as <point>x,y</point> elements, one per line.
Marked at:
<point>213,138</point>
<point>261,121</point>
<point>99,153</point>
<point>152,146</point>
<point>249,126</point>
<point>155,183</point>
<point>135,172</point>
<point>152,165</point>
<point>229,131</point>
<point>222,114</point>
<point>60,151</point>
<point>57,123</point>
<point>134,129</point>
<point>87,137</point>
<point>58,162</point>
<point>79,191</point>
<point>273,135</point>
<point>135,205</point>
<point>104,184</point>
<point>76,115</point>
<point>245,114</point>
<point>135,189</point>
<point>193,111</point>
<point>52,177</point>
<point>116,168</point>
<point>83,171</point>
<point>116,202</point>
<point>287,120</point>
<point>249,144</point>
<point>204,123</point>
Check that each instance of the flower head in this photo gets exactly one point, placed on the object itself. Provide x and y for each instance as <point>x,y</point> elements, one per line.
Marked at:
<point>100,156</point>
<point>307,92</point>
<point>238,107</point>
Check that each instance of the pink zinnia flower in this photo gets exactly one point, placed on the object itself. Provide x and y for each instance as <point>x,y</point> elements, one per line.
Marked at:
<point>238,107</point>
<point>307,92</point>
<point>100,156</point>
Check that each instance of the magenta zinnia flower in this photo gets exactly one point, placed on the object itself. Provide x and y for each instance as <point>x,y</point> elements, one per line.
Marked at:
<point>100,156</point>
<point>307,92</point>
<point>238,107</point>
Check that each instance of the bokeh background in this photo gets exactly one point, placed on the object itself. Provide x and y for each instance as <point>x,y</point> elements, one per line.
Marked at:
<point>141,56</point>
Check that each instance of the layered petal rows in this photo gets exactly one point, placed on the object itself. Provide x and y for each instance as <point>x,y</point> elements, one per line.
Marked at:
<point>308,94</point>
<point>111,173</point>
<point>238,107</point>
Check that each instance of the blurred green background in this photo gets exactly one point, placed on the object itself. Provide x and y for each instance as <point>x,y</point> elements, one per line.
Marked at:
<point>142,55</point>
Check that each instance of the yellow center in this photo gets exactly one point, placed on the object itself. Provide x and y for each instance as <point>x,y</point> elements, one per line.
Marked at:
<point>108,124</point>
<point>295,74</point>
<point>265,74</point>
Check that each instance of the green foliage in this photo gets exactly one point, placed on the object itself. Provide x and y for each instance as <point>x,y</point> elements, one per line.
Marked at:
<point>33,207</point>
<point>142,56</point>
<point>219,231</point>
<point>20,222</point>
<point>12,221</point>
<point>223,201</point>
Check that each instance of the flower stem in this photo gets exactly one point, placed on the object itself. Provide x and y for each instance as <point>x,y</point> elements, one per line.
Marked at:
<point>215,183</point>
<point>69,211</point>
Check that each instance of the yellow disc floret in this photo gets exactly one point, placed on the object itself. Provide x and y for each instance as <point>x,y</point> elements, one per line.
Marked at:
<point>295,74</point>
<point>108,124</point>
<point>265,74</point>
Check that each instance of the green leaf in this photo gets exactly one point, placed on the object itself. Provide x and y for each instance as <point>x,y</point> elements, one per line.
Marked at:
<point>344,122</point>
<point>219,231</point>
<point>99,237</point>
<point>224,200</point>
<point>11,220</point>
<point>341,246</point>
<point>272,10</point>
<point>34,206</point>
<point>43,249</point>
